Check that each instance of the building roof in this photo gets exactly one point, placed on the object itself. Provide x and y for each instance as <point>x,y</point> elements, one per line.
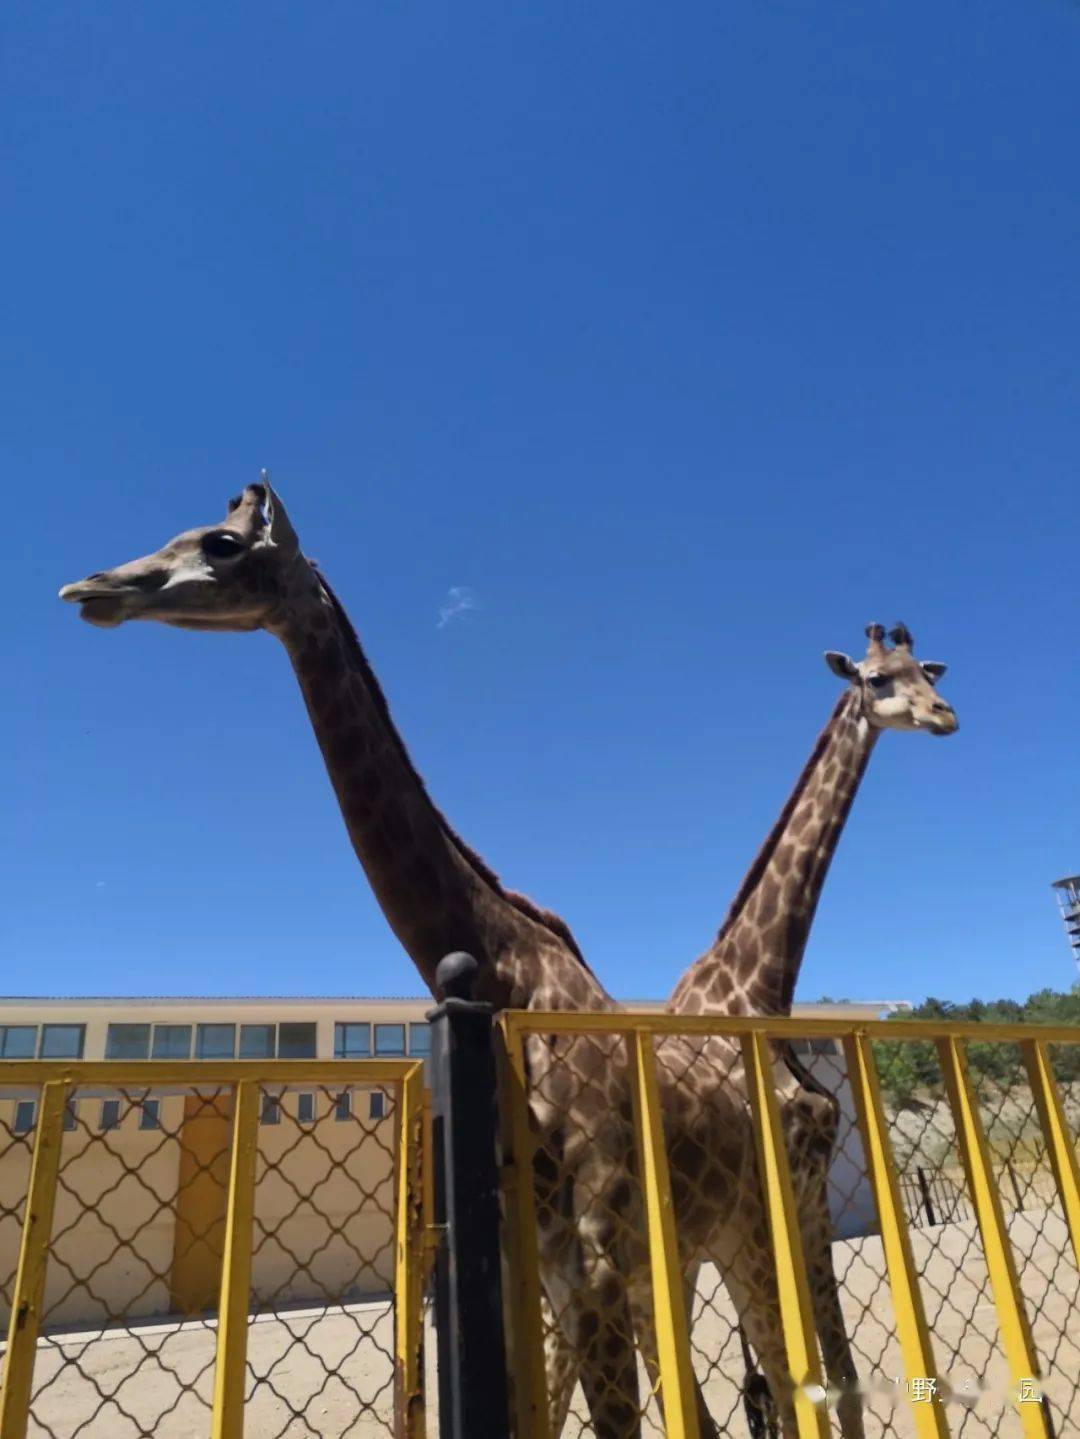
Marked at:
<point>852,1007</point>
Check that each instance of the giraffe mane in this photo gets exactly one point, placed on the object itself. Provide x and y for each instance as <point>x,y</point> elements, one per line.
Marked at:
<point>552,922</point>
<point>772,839</point>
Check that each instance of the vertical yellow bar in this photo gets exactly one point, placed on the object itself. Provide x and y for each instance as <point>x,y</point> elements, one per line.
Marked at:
<point>1055,1127</point>
<point>668,1289</point>
<point>1004,1282</point>
<point>231,1361</point>
<point>409,1263</point>
<point>28,1297</point>
<point>811,1418</point>
<point>911,1326</point>
<point>522,1254</point>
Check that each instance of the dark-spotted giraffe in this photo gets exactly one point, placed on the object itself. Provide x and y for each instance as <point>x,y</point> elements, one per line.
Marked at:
<point>753,965</point>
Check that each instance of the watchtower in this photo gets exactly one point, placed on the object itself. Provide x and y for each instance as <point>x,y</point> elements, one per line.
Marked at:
<point>1068,897</point>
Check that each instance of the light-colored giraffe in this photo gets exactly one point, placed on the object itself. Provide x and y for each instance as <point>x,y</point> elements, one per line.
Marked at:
<point>753,965</point>
<point>248,573</point>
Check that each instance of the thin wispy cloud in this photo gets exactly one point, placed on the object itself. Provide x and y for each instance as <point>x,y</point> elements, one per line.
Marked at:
<point>460,599</point>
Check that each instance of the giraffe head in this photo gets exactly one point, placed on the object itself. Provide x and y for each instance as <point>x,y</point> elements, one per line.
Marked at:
<point>895,690</point>
<point>230,576</point>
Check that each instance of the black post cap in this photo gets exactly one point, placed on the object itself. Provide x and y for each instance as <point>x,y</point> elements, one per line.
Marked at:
<point>455,975</point>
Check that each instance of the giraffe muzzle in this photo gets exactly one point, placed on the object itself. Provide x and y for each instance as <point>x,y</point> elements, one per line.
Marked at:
<point>97,604</point>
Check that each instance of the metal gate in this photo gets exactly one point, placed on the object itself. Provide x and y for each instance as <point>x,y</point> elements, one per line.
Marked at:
<point>182,1244</point>
<point>968,1322</point>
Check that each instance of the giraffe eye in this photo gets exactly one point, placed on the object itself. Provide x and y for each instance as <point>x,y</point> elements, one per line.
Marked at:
<point>877,682</point>
<point>222,545</point>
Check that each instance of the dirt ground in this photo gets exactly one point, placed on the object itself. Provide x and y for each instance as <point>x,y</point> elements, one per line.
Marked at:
<point>329,1373</point>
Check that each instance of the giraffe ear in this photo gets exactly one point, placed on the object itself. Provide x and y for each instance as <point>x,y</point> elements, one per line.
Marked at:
<point>933,670</point>
<point>279,530</point>
<point>842,665</point>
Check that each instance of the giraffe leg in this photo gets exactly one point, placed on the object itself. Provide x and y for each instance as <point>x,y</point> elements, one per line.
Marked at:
<point>832,1333</point>
<point>641,1308</point>
<point>560,1360</point>
<point>751,1283</point>
<point>819,1142</point>
<point>592,1340</point>
<point>561,1368</point>
<point>761,1418</point>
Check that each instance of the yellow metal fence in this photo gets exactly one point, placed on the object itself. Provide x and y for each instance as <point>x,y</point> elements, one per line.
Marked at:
<point>199,1248</point>
<point>184,1246</point>
<point>946,1158</point>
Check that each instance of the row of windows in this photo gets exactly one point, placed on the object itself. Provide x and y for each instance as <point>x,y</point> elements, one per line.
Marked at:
<point>353,1041</point>
<point>58,1041</point>
<point>25,1115</point>
<point>214,1041</point>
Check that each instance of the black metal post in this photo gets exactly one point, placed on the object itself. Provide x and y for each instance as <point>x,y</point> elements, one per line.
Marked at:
<point>928,1203</point>
<point>473,1400</point>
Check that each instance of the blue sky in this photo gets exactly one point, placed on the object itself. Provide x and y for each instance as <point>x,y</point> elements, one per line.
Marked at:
<point>664,347</point>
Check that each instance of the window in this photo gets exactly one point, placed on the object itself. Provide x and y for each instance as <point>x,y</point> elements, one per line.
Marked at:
<point>296,1041</point>
<point>128,1041</point>
<point>419,1039</point>
<point>172,1041</point>
<point>352,1041</point>
<point>215,1041</point>
<point>24,1117</point>
<point>71,1117</point>
<point>110,1114</point>
<point>150,1114</point>
<point>18,1041</point>
<point>271,1109</point>
<point>305,1108</point>
<point>377,1104</point>
<point>343,1106</point>
<point>62,1041</point>
<point>256,1041</point>
<point>389,1040</point>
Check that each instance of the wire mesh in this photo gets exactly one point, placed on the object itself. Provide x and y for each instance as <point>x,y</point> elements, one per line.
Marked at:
<point>587,1193</point>
<point>128,1329</point>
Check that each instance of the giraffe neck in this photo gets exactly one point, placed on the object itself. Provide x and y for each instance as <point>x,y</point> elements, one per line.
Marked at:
<point>436,894</point>
<point>754,963</point>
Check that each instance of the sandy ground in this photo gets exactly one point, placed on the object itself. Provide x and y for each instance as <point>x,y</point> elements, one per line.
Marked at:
<point>329,1373</point>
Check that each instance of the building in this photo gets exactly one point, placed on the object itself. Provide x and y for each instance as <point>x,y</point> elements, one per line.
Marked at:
<point>141,1203</point>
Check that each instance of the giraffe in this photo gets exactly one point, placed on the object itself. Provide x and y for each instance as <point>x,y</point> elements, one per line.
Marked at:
<point>248,573</point>
<point>753,965</point>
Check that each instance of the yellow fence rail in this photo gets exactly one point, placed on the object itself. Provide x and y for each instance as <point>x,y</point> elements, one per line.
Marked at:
<point>978,1127</point>
<point>214,1192</point>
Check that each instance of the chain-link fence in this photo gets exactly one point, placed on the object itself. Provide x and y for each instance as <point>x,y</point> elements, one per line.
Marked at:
<point>156,1192</point>
<point>886,1212</point>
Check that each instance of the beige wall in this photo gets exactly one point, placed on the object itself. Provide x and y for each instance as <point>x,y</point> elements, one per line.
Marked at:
<point>323,1215</point>
<point>324,1197</point>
